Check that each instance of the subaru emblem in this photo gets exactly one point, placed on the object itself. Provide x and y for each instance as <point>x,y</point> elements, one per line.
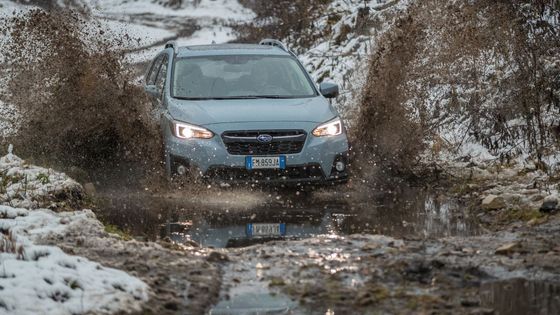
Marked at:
<point>264,138</point>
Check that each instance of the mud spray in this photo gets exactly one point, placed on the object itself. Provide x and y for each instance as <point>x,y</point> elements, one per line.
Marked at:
<point>79,108</point>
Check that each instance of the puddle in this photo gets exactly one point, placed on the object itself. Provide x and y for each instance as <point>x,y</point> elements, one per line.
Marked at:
<point>254,303</point>
<point>521,297</point>
<point>251,296</point>
<point>241,218</point>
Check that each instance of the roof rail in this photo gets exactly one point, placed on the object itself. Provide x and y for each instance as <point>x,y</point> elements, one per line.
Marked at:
<point>275,43</point>
<point>171,44</point>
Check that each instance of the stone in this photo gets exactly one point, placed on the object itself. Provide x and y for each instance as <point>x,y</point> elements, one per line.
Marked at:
<point>493,202</point>
<point>549,204</point>
<point>507,249</point>
<point>217,257</point>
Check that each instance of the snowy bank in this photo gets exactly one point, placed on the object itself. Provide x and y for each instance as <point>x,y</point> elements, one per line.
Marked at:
<point>44,279</point>
<point>27,186</point>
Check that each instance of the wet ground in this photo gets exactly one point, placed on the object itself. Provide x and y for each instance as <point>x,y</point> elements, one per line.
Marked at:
<point>342,252</point>
<point>520,296</point>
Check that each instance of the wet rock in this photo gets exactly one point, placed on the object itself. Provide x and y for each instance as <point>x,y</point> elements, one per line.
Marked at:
<point>418,271</point>
<point>217,257</point>
<point>507,249</point>
<point>276,281</point>
<point>262,266</point>
<point>172,305</point>
<point>493,202</point>
<point>549,204</point>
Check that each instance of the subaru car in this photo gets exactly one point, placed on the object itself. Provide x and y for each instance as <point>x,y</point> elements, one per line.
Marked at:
<point>246,113</point>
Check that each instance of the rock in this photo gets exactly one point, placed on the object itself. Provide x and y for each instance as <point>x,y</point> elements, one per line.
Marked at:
<point>533,222</point>
<point>262,266</point>
<point>172,305</point>
<point>508,248</point>
<point>493,202</point>
<point>89,189</point>
<point>217,257</point>
<point>276,281</point>
<point>549,204</point>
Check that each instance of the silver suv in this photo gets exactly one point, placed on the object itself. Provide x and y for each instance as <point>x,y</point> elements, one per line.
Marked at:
<point>244,113</point>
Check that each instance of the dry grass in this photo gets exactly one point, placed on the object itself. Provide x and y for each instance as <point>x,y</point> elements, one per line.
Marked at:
<point>8,244</point>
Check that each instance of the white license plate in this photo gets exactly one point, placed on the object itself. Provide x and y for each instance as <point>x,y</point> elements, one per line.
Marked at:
<point>265,162</point>
<point>266,229</point>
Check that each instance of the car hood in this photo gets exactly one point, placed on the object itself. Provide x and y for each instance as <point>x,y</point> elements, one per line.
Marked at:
<point>208,112</point>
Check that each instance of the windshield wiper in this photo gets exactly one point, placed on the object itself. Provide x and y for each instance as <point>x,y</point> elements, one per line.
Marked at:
<point>271,96</point>
<point>241,97</point>
<point>216,98</point>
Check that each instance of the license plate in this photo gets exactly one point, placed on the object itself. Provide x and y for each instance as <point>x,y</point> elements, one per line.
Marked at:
<point>266,229</point>
<point>265,162</point>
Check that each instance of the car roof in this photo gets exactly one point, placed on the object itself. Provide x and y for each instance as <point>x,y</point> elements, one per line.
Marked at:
<point>229,49</point>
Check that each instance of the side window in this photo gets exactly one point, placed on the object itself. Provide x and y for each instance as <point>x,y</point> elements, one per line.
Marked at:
<point>151,77</point>
<point>162,74</point>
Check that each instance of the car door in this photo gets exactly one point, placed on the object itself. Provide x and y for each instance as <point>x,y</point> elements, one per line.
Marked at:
<point>160,81</point>
<point>152,77</point>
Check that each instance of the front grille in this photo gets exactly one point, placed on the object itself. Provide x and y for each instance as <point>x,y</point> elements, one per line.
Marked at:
<point>246,143</point>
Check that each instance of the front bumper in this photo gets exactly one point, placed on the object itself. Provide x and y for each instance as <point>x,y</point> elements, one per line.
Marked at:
<point>314,165</point>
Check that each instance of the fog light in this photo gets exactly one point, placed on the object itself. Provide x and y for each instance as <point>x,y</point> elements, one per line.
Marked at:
<point>181,170</point>
<point>340,166</point>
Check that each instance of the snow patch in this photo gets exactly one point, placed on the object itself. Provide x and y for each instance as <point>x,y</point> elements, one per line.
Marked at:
<point>43,279</point>
<point>28,186</point>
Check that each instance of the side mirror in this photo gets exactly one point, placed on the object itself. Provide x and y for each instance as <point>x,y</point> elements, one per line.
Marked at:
<point>328,89</point>
<point>152,90</point>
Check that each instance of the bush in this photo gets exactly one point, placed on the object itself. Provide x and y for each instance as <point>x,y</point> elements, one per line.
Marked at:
<point>464,72</point>
<point>290,20</point>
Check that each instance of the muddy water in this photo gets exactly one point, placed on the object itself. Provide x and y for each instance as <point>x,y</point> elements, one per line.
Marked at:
<point>237,218</point>
<point>520,297</point>
<point>232,218</point>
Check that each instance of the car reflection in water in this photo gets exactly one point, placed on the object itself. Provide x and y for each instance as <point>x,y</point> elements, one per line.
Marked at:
<point>410,214</point>
<point>239,229</point>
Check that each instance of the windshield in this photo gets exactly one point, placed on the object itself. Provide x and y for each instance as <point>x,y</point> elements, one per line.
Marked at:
<point>240,76</point>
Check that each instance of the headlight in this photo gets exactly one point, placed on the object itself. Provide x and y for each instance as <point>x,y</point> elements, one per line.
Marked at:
<point>186,131</point>
<point>332,128</point>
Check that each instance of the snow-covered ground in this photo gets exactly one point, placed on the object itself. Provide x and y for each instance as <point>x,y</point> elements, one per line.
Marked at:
<point>343,56</point>
<point>31,187</point>
<point>39,279</point>
<point>154,23</point>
